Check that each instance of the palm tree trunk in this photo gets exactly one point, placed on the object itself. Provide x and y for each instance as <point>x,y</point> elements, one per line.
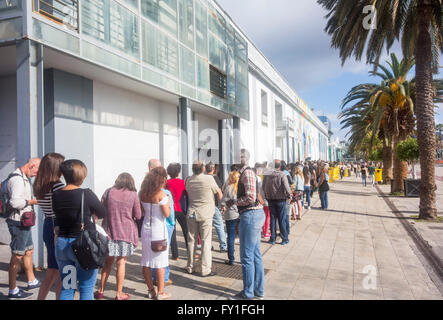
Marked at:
<point>387,164</point>
<point>425,112</point>
<point>400,170</point>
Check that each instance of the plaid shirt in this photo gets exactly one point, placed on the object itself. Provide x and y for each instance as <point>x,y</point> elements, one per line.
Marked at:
<point>249,180</point>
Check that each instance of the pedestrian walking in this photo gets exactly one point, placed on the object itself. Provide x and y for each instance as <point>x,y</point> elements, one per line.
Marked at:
<point>252,218</point>
<point>218,219</point>
<point>46,183</point>
<point>201,189</point>
<point>364,173</point>
<point>21,202</point>
<point>277,193</point>
<point>324,187</point>
<point>123,207</point>
<point>177,188</point>
<point>156,206</point>
<point>230,213</point>
<point>264,170</point>
<point>68,204</point>
<point>371,173</point>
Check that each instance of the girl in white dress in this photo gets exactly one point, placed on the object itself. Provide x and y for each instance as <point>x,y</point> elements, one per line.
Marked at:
<point>155,204</point>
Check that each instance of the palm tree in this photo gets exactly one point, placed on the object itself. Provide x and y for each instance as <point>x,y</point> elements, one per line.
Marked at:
<point>385,111</point>
<point>418,24</point>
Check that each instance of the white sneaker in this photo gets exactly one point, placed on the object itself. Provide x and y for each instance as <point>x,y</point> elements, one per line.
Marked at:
<point>309,208</point>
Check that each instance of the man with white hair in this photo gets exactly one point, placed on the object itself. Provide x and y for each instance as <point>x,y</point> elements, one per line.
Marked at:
<point>22,247</point>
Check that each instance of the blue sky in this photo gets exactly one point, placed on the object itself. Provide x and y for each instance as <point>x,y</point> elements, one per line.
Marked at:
<point>290,34</point>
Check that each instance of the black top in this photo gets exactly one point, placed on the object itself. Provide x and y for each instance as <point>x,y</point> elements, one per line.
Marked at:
<point>67,208</point>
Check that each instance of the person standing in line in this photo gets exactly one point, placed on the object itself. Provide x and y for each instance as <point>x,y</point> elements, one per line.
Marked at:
<point>252,218</point>
<point>170,222</point>
<point>201,189</point>
<point>323,187</point>
<point>298,192</point>
<point>46,183</point>
<point>290,207</point>
<point>260,171</point>
<point>218,219</point>
<point>67,205</point>
<point>307,185</point>
<point>313,172</point>
<point>230,213</point>
<point>364,173</point>
<point>177,188</point>
<point>277,193</point>
<point>22,247</point>
<point>156,206</point>
<point>371,173</point>
<point>123,206</point>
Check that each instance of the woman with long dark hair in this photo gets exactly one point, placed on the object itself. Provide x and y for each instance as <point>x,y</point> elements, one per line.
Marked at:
<point>46,183</point>
<point>123,206</point>
<point>155,204</point>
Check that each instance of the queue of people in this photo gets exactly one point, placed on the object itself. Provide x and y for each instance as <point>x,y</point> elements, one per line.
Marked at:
<point>250,205</point>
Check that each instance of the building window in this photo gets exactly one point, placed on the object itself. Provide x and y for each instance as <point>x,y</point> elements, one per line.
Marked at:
<point>63,12</point>
<point>218,82</point>
<point>264,107</point>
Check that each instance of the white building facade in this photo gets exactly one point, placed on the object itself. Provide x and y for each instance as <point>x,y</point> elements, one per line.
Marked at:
<point>115,83</point>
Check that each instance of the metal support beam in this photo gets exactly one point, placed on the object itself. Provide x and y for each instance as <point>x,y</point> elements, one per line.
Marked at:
<point>30,120</point>
<point>237,140</point>
<point>185,136</point>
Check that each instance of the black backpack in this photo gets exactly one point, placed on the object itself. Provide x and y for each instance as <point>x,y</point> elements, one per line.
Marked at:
<point>5,207</point>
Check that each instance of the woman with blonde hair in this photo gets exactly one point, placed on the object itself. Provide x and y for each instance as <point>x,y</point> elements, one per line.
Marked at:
<point>230,214</point>
<point>155,205</point>
<point>299,185</point>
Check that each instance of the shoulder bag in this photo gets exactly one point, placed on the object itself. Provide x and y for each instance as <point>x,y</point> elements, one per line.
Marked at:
<point>159,245</point>
<point>90,247</point>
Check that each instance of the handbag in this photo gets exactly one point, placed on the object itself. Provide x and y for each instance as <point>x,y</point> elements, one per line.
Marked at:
<point>27,219</point>
<point>90,247</point>
<point>158,245</point>
<point>324,187</point>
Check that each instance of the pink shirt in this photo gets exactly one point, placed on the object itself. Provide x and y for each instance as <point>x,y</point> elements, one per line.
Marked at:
<point>123,207</point>
<point>176,186</point>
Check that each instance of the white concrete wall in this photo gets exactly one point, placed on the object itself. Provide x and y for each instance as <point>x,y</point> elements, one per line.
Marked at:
<point>8,125</point>
<point>205,134</point>
<point>118,149</point>
<point>8,137</point>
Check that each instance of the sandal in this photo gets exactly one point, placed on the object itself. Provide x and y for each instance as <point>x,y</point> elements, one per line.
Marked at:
<point>98,295</point>
<point>163,296</point>
<point>152,294</point>
<point>125,296</point>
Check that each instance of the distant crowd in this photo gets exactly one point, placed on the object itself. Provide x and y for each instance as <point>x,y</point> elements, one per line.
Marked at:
<point>244,209</point>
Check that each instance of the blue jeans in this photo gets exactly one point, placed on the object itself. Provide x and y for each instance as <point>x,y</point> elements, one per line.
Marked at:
<point>324,200</point>
<point>278,213</point>
<point>219,228</point>
<point>70,270</point>
<point>167,271</point>
<point>363,179</point>
<point>251,223</point>
<point>307,193</point>
<point>48,238</point>
<point>231,225</point>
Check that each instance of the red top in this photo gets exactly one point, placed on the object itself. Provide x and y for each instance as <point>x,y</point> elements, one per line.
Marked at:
<point>176,186</point>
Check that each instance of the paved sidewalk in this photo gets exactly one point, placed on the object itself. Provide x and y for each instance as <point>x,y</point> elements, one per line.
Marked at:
<point>326,258</point>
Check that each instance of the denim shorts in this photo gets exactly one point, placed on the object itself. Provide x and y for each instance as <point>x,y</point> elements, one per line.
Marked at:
<point>21,238</point>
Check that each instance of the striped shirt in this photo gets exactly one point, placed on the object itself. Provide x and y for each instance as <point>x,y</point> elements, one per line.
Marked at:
<point>46,203</point>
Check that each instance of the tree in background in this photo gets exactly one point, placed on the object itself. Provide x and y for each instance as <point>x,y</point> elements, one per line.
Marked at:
<point>418,25</point>
<point>408,151</point>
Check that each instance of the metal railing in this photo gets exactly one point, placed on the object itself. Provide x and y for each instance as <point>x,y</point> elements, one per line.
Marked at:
<point>63,12</point>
